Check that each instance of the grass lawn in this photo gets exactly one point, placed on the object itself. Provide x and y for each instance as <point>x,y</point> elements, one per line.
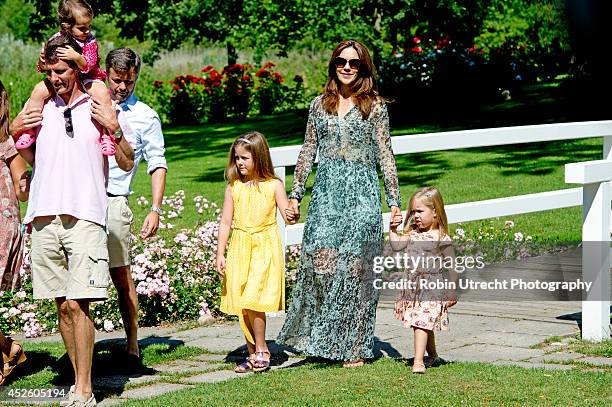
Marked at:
<point>197,156</point>
<point>388,382</point>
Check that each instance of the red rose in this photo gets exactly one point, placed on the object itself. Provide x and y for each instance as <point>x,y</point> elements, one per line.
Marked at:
<point>416,40</point>
<point>417,49</point>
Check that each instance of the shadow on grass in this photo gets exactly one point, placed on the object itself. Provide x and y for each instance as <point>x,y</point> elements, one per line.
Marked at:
<point>537,158</point>
<point>111,369</point>
<point>420,169</point>
<point>214,140</point>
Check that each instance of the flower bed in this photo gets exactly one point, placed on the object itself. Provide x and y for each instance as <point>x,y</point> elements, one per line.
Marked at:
<point>237,91</point>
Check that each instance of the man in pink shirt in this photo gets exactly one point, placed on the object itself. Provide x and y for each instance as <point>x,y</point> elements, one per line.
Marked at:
<point>67,208</point>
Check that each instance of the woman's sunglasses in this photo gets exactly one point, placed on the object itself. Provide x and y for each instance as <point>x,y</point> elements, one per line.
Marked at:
<point>341,63</point>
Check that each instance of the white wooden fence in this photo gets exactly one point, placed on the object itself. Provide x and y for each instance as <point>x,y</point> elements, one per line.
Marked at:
<point>594,195</point>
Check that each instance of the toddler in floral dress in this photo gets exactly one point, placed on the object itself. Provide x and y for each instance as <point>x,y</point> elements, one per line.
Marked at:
<point>426,240</point>
<point>75,18</point>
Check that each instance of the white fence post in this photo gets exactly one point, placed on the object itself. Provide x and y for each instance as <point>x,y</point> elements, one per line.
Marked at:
<point>607,155</point>
<point>280,173</point>
<point>596,261</point>
<point>596,199</point>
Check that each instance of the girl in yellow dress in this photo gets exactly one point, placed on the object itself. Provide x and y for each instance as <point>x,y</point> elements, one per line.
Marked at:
<point>254,272</point>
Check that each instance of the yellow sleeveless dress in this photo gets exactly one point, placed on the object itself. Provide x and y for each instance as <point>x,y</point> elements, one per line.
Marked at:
<point>255,267</point>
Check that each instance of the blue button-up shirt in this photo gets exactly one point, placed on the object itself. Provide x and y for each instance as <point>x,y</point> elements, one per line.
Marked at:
<point>142,129</point>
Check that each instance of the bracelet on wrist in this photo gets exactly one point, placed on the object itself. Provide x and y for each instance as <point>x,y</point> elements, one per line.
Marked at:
<point>156,209</point>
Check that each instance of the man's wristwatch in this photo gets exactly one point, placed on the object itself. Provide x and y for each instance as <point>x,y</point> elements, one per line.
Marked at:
<point>156,209</point>
<point>118,134</point>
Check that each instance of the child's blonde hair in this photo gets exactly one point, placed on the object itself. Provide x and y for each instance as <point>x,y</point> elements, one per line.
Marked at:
<point>69,9</point>
<point>255,143</point>
<point>432,198</point>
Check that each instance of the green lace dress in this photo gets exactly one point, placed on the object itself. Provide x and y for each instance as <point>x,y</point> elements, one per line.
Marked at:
<point>333,309</point>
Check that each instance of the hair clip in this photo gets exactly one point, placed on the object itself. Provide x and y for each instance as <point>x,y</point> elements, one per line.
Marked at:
<point>427,194</point>
<point>244,140</point>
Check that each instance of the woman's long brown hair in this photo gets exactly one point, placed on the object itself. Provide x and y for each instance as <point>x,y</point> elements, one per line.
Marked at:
<point>4,113</point>
<point>255,143</point>
<point>364,89</point>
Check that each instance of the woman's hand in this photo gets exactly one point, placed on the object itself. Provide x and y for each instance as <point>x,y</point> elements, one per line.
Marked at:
<point>294,209</point>
<point>396,218</point>
<point>291,217</point>
<point>220,264</point>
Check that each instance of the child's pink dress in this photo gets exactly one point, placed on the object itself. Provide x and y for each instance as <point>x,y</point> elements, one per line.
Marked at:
<point>92,70</point>
<point>423,308</point>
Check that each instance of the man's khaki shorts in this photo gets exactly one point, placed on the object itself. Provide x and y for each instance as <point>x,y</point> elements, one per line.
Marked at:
<point>119,225</point>
<point>69,258</point>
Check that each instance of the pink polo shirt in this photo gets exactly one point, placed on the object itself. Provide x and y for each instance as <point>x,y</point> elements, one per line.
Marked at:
<point>70,173</point>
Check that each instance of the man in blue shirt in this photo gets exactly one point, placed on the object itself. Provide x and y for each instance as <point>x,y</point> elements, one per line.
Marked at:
<point>142,128</point>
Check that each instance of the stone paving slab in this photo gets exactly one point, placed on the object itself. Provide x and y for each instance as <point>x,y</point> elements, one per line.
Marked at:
<point>558,356</point>
<point>210,357</point>
<point>120,381</point>
<point>600,361</point>
<point>185,366</point>
<point>490,353</point>
<point>211,377</point>
<point>150,391</point>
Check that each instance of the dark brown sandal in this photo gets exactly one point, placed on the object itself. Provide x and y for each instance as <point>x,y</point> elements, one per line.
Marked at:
<point>13,359</point>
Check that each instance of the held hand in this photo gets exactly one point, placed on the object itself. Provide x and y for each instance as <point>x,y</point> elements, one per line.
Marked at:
<point>150,225</point>
<point>396,218</point>
<point>105,115</point>
<point>451,303</point>
<point>290,216</point>
<point>294,207</point>
<point>26,119</point>
<point>67,52</point>
<point>220,265</point>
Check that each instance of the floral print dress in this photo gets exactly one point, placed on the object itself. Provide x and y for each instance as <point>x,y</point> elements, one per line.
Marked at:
<point>10,223</point>
<point>421,307</point>
<point>333,309</point>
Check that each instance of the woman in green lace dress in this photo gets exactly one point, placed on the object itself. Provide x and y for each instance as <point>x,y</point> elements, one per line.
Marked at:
<point>333,310</point>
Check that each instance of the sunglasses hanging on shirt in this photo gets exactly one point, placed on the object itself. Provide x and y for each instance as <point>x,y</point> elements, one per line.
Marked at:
<point>68,122</point>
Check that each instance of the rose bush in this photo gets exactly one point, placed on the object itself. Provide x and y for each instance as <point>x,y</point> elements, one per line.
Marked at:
<point>235,92</point>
